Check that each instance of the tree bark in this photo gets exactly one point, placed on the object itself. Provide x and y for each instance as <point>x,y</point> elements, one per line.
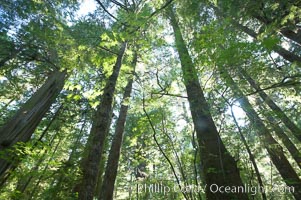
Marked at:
<point>218,166</point>
<point>292,149</point>
<point>107,189</point>
<point>23,124</point>
<point>274,149</point>
<point>98,133</point>
<point>296,131</point>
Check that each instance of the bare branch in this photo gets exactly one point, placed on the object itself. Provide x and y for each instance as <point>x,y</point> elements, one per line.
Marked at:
<point>108,50</point>
<point>104,8</point>
<point>119,4</point>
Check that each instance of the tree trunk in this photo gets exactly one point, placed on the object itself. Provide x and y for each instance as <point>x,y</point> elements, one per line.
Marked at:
<point>296,131</point>
<point>287,55</point>
<point>251,156</point>
<point>292,149</point>
<point>290,177</point>
<point>23,124</point>
<point>218,166</point>
<point>107,189</point>
<point>41,177</point>
<point>98,133</point>
<point>23,182</point>
<point>285,31</point>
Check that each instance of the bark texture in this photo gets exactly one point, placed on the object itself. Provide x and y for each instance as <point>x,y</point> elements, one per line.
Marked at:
<point>99,131</point>
<point>107,189</point>
<point>218,166</point>
<point>23,124</point>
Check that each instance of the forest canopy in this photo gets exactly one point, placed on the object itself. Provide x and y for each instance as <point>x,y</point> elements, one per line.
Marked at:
<point>139,99</point>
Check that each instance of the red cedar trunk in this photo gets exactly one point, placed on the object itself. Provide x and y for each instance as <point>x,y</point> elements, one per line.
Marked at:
<point>23,124</point>
<point>98,134</point>
<point>274,149</point>
<point>112,165</point>
<point>296,131</point>
<point>218,166</point>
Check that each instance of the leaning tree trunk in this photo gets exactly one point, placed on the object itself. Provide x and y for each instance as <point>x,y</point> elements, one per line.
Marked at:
<point>274,149</point>
<point>23,124</point>
<point>285,31</point>
<point>107,189</point>
<point>296,131</point>
<point>292,149</point>
<point>98,133</point>
<point>287,55</point>
<point>218,166</point>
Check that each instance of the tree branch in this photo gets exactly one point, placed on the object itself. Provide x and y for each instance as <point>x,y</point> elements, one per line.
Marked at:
<point>119,4</point>
<point>104,8</point>
<point>160,148</point>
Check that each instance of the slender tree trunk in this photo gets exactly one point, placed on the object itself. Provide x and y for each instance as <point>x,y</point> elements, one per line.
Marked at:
<point>41,177</point>
<point>292,149</point>
<point>274,149</point>
<point>60,183</point>
<point>107,189</point>
<point>287,55</point>
<point>23,124</point>
<point>288,33</point>
<point>98,133</point>
<point>295,36</point>
<point>296,131</point>
<point>23,182</point>
<point>251,156</point>
<point>218,165</point>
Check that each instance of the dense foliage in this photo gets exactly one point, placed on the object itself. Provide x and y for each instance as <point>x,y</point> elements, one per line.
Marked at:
<point>138,99</point>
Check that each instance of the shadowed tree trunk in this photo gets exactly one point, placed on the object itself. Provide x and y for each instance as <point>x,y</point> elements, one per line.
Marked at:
<point>296,131</point>
<point>251,156</point>
<point>218,166</point>
<point>273,148</point>
<point>23,124</point>
<point>287,55</point>
<point>285,31</point>
<point>292,149</point>
<point>107,189</point>
<point>99,131</point>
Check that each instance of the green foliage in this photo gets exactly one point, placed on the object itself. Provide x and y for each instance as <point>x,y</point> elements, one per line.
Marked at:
<point>38,37</point>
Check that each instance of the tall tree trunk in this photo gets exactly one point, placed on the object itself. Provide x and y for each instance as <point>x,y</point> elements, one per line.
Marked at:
<point>287,55</point>
<point>98,133</point>
<point>43,174</point>
<point>292,149</point>
<point>218,165</point>
<point>23,182</point>
<point>61,183</point>
<point>274,149</point>
<point>251,156</point>
<point>285,31</point>
<point>23,124</point>
<point>107,189</point>
<point>296,131</point>
<point>295,36</point>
